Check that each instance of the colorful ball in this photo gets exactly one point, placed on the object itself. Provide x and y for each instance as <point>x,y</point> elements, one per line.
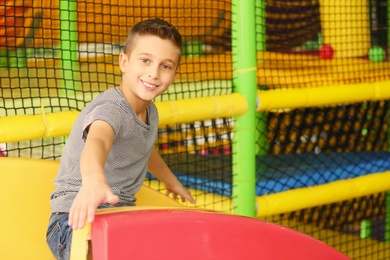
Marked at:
<point>326,52</point>
<point>376,54</point>
<point>164,146</point>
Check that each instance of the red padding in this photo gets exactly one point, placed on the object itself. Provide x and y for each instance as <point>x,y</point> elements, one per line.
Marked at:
<point>195,234</point>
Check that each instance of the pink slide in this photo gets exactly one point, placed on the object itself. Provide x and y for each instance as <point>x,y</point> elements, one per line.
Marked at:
<point>196,234</point>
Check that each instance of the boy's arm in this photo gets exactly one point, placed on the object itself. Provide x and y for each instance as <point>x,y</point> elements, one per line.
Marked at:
<point>161,171</point>
<point>94,189</point>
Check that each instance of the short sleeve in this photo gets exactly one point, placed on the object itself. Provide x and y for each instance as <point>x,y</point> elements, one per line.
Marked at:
<point>107,112</point>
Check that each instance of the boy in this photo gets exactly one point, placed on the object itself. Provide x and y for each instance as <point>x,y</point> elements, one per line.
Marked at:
<point>110,147</point>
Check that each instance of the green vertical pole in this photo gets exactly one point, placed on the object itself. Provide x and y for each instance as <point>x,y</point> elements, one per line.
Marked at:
<point>244,82</point>
<point>68,45</point>
<point>388,25</point>
<point>261,122</point>
<point>387,217</point>
<point>68,54</point>
<point>387,199</point>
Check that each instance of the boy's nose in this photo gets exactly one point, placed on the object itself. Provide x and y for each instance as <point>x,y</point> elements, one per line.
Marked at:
<point>153,73</point>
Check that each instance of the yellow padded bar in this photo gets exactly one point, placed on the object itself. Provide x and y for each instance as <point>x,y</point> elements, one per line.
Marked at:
<point>336,191</point>
<point>29,127</point>
<point>321,96</point>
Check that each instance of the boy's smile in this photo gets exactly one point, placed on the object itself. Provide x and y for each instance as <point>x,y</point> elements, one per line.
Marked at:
<point>148,70</point>
<point>148,85</point>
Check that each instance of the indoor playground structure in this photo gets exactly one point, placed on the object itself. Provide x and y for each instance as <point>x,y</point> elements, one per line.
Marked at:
<point>280,113</point>
<point>157,228</point>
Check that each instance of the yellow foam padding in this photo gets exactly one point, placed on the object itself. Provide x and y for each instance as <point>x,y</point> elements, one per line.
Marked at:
<point>308,197</point>
<point>80,247</point>
<point>196,109</point>
<point>13,128</point>
<point>28,127</point>
<point>25,186</point>
<point>321,96</point>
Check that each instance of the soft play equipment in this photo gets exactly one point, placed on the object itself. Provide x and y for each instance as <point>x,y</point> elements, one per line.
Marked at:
<point>158,227</point>
<point>25,188</point>
<point>194,234</point>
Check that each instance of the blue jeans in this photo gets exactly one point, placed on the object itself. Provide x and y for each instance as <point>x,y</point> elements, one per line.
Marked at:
<point>59,236</point>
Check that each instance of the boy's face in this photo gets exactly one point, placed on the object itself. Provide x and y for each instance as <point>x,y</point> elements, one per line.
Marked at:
<point>150,69</point>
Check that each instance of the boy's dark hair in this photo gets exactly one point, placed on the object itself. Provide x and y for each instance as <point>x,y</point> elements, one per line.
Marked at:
<point>155,27</point>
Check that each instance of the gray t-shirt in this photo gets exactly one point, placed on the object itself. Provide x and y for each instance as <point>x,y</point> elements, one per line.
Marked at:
<point>127,161</point>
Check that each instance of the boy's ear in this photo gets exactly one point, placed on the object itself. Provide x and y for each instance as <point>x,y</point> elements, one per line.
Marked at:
<point>123,59</point>
<point>176,73</point>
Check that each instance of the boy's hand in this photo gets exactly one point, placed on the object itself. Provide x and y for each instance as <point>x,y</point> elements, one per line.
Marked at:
<point>160,169</point>
<point>93,192</point>
<point>179,190</point>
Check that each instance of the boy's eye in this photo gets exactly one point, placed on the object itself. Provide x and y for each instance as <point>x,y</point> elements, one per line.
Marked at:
<point>145,60</point>
<point>167,67</point>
